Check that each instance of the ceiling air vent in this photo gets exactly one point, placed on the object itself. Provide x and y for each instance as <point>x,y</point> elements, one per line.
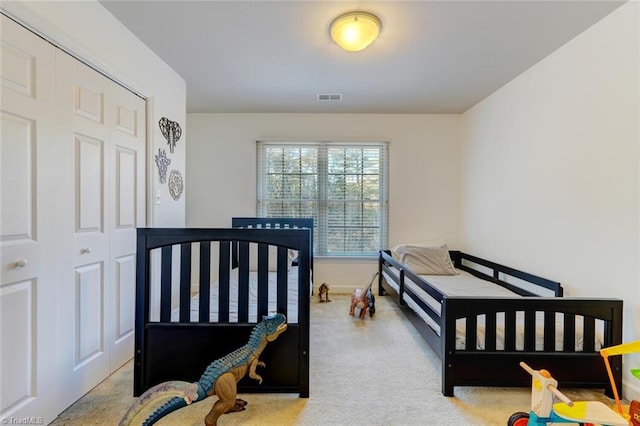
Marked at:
<point>329,96</point>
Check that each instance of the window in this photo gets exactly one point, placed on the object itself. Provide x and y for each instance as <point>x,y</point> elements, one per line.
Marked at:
<point>342,186</point>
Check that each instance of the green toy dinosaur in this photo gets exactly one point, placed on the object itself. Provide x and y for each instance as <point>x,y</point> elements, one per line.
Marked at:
<point>220,378</point>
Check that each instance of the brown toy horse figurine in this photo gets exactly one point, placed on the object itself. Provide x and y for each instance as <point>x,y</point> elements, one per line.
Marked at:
<point>363,299</point>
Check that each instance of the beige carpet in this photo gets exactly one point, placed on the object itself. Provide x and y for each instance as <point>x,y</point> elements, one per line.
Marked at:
<point>363,372</point>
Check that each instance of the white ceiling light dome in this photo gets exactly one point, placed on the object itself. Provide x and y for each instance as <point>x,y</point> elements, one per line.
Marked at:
<point>354,31</point>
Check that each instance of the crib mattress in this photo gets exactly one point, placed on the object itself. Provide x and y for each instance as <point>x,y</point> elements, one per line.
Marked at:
<point>292,298</point>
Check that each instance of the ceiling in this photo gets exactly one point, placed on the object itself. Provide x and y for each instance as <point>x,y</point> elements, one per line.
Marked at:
<point>277,56</point>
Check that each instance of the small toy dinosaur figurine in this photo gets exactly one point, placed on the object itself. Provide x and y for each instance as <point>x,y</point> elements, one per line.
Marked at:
<point>323,293</point>
<point>220,378</point>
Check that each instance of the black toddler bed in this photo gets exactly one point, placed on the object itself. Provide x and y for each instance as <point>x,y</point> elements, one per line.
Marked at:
<point>260,266</point>
<point>481,340</point>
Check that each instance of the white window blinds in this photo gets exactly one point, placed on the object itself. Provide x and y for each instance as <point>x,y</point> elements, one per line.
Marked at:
<point>342,186</point>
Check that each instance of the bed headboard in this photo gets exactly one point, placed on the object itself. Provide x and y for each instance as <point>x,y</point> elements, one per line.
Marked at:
<point>275,223</point>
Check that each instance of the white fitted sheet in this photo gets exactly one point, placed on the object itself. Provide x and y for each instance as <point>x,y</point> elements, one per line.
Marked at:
<point>292,298</point>
<point>465,284</point>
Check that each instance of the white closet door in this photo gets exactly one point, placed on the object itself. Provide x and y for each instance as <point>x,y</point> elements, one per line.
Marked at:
<point>72,176</point>
<point>101,127</point>
<point>83,106</point>
<point>28,289</point>
<point>127,137</point>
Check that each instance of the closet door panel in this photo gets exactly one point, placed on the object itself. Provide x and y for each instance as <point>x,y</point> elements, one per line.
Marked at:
<point>82,108</point>
<point>125,202</point>
<point>127,131</point>
<point>28,232</point>
<point>19,67</point>
<point>124,307</point>
<point>89,184</point>
<point>18,147</point>
<point>17,325</point>
<point>89,339</point>
<point>88,100</point>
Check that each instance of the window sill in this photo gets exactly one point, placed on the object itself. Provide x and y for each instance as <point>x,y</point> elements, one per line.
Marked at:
<point>345,259</point>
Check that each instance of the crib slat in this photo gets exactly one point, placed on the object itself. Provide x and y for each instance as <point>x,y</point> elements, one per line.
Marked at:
<point>185,281</point>
<point>471,333</point>
<point>223,283</point>
<point>282,279</point>
<point>205,277</point>
<point>549,331</point>
<point>165,284</point>
<point>234,255</point>
<point>243,283</point>
<point>529,331</point>
<point>263,280</point>
<point>490,331</point>
<point>589,338</point>
<point>510,331</point>
<point>569,339</point>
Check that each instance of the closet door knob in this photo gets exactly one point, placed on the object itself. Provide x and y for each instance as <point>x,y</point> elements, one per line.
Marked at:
<point>20,263</point>
<point>86,250</point>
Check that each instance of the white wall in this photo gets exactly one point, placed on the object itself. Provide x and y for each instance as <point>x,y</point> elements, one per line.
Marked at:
<point>424,173</point>
<point>88,31</point>
<point>550,169</point>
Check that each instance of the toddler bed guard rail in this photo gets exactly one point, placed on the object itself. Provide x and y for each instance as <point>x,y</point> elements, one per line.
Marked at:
<point>481,340</point>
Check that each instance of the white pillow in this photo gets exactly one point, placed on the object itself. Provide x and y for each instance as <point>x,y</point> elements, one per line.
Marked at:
<point>293,255</point>
<point>431,258</point>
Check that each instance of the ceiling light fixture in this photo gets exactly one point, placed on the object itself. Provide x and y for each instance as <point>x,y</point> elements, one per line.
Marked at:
<point>353,31</point>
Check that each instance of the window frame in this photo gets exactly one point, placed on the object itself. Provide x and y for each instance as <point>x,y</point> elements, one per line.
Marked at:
<point>321,225</point>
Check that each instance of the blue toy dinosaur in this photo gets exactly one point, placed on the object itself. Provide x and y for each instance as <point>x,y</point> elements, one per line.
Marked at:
<point>220,378</point>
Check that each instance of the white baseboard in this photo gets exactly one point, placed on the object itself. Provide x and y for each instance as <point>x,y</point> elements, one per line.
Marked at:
<point>630,391</point>
<point>335,289</point>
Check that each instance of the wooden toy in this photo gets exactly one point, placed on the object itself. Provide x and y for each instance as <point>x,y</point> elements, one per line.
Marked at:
<point>545,411</point>
<point>624,348</point>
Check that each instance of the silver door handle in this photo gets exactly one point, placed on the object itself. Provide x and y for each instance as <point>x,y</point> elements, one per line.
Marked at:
<point>86,250</point>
